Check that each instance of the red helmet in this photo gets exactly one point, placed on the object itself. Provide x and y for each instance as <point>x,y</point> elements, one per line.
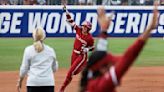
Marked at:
<point>87,24</point>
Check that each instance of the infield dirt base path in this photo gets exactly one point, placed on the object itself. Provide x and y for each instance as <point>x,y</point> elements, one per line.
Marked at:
<point>138,79</point>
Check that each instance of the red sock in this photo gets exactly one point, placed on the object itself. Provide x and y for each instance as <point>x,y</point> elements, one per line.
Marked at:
<point>65,84</point>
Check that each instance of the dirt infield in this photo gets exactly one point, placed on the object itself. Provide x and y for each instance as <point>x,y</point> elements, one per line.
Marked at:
<point>138,79</point>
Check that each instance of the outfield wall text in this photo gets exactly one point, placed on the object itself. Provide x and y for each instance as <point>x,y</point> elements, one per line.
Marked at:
<point>127,21</point>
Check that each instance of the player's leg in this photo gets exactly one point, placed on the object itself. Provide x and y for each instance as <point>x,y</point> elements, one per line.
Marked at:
<point>77,63</point>
<point>73,57</point>
<point>81,66</point>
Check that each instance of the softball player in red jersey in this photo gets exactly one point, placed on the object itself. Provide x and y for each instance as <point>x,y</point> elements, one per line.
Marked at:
<point>105,70</point>
<point>83,43</point>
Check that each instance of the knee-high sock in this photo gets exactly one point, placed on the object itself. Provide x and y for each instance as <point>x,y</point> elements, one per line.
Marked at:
<point>66,83</point>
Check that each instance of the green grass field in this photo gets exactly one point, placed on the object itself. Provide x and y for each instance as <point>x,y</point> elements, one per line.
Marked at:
<point>11,51</point>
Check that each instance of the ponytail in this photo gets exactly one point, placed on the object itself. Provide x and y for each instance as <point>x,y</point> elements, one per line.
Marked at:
<point>38,46</point>
<point>38,36</point>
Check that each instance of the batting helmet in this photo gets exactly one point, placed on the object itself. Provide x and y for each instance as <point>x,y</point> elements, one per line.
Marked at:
<point>87,24</point>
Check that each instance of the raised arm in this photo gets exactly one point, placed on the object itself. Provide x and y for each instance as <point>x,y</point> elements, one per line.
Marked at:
<point>69,19</point>
<point>144,36</point>
<point>133,51</point>
<point>104,23</point>
<point>125,61</point>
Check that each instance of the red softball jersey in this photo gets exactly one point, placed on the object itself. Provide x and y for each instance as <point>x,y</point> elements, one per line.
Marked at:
<point>81,40</point>
<point>111,79</point>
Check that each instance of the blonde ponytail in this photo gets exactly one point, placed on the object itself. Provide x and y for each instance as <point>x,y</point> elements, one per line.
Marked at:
<point>38,36</point>
<point>38,46</point>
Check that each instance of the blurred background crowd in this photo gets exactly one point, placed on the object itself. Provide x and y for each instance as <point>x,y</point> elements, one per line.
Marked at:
<point>80,2</point>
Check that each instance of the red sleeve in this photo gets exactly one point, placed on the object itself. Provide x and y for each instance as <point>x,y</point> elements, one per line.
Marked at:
<point>128,58</point>
<point>77,29</point>
<point>114,59</point>
<point>122,63</point>
<point>72,23</point>
<point>70,20</point>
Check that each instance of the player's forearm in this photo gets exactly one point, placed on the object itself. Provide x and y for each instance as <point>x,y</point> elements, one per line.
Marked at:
<point>152,24</point>
<point>144,36</point>
<point>20,79</point>
<point>129,57</point>
<point>68,16</point>
<point>70,20</point>
<point>19,83</point>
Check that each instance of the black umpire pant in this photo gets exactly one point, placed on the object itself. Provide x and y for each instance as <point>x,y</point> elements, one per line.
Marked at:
<point>40,88</point>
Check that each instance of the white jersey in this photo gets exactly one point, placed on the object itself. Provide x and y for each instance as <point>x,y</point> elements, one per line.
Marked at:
<point>39,66</point>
